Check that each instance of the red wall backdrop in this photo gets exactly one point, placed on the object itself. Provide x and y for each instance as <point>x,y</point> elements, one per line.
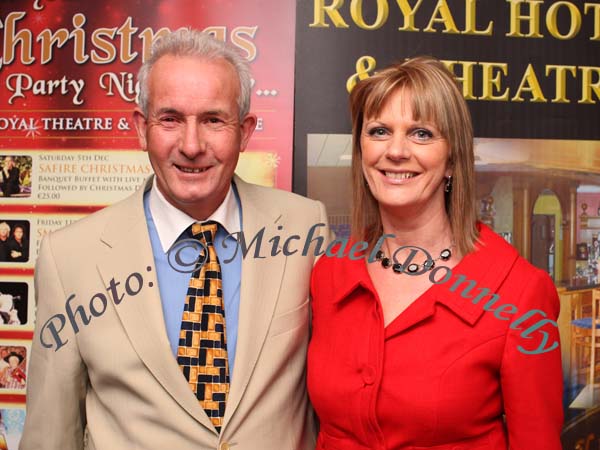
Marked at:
<point>67,91</point>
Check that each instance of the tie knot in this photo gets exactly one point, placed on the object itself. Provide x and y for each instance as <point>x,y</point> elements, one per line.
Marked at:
<point>205,231</point>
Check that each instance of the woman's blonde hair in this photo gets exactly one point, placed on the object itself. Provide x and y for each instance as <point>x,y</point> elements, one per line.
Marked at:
<point>435,98</point>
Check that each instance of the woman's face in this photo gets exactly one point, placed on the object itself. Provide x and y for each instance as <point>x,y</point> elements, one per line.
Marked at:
<point>404,161</point>
<point>13,361</point>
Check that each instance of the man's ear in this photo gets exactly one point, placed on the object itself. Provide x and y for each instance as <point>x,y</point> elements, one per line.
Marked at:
<point>139,120</point>
<point>247,128</point>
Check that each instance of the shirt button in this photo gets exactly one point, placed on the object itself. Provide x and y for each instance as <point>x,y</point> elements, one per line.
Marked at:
<point>368,375</point>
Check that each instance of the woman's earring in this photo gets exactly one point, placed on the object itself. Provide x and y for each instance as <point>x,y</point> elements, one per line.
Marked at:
<point>448,186</point>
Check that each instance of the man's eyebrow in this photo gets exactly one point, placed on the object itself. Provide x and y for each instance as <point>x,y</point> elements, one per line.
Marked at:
<point>214,112</point>
<point>167,110</point>
<point>211,112</point>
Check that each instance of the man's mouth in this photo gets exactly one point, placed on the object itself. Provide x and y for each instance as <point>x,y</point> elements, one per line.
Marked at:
<point>192,169</point>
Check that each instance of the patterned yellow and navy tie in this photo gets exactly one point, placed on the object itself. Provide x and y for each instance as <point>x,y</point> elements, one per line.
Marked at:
<point>202,351</point>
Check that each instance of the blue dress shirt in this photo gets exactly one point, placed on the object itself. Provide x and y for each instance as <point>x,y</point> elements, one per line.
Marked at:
<point>173,285</point>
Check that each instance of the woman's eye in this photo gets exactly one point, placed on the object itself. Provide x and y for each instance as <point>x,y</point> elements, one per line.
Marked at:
<point>377,131</point>
<point>422,134</point>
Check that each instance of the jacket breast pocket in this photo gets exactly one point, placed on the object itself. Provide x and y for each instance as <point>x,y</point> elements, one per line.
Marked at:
<point>290,320</point>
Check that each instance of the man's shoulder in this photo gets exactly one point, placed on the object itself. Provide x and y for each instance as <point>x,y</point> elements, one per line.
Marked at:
<point>93,225</point>
<point>283,200</point>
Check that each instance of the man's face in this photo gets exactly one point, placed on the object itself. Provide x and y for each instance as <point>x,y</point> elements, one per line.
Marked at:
<point>193,133</point>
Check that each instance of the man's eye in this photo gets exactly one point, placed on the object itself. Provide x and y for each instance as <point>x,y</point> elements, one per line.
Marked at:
<point>168,119</point>
<point>214,120</point>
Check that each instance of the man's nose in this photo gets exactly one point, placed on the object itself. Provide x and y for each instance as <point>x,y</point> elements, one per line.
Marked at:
<point>193,139</point>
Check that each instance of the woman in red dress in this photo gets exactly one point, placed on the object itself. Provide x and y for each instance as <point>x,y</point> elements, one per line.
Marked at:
<point>453,351</point>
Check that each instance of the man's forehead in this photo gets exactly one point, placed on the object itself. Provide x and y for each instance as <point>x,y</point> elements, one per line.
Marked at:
<point>203,63</point>
<point>165,105</point>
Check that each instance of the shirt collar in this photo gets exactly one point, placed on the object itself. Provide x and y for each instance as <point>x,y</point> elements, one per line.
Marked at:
<point>171,222</point>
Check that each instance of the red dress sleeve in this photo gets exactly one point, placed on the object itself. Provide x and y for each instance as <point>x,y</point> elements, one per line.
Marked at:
<point>531,372</point>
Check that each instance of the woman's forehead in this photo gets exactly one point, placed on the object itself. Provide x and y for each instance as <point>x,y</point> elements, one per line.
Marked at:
<point>401,100</point>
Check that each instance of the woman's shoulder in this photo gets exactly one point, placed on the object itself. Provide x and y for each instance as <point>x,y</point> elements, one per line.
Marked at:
<point>532,285</point>
<point>497,247</point>
<point>342,254</point>
<point>338,266</point>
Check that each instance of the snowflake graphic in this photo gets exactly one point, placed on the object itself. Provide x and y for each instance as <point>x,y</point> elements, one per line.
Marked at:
<point>39,19</point>
<point>33,130</point>
<point>272,160</point>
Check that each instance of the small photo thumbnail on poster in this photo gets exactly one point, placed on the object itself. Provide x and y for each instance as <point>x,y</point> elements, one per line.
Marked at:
<point>14,241</point>
<point>15,176</point>
<point>13,363</point>
<point>12,421</point>
<point>13,303</point>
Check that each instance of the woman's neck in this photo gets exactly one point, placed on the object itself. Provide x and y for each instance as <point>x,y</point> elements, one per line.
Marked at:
<point>427,229</point>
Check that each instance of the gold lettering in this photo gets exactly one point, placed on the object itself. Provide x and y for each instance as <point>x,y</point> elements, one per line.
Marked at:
<point>219,33</point>
<point>529,83</point>
<point>364,65</point>
<point>149,37</point>
<point>383,12</point>
<point>552,26</point>
<point>60,37</point>
<point>12,39</point>
<point>445,17</point>
<point>596,8</point>
<point>533,18</point>
<point>125,32</point>
<point>466,80</point>
<point>492,81</point>
<point>561,81</point>
<point>332,11</point>
<point>104,46</point>
<point>587,87</point>
<point>470,21</point>
<point>78,36</point>
<point>245,44</point>
<point>408,15</point>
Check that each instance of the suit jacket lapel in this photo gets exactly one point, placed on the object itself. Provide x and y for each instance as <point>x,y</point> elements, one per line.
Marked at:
<point>141,315</point>
<point>260,286</point>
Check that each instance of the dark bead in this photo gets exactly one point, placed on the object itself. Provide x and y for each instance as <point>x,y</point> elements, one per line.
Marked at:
<point>397,268</point>
<point>429,264</point>
<point>379,255</point>
<point>385,262</point>
<point>446,254</point>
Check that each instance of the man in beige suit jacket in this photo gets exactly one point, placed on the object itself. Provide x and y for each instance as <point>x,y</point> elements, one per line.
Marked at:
<point>102,372</point>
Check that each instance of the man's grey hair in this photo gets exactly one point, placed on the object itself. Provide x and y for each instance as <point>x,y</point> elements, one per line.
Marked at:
<point>188,42</point>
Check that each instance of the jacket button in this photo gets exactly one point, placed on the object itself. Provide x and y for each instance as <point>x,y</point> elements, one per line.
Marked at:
<point>368,375</point>
<point>224,446</point>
